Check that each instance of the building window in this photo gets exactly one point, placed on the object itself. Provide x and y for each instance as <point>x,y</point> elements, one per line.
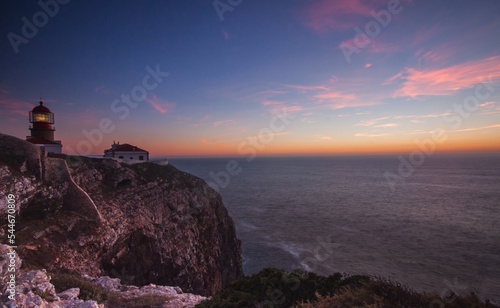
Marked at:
<point>131,157</point>
<point>120,157</point>
<point>141,157</point>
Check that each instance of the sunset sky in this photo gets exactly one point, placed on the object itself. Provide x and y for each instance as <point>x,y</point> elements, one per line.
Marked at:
<point>263,77</point>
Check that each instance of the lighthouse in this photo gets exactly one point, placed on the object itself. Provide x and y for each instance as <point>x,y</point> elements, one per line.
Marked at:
<point>42,131</point>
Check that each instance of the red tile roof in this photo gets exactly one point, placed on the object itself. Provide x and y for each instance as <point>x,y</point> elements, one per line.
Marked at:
<point>40,140</point>
<point>127,148</point>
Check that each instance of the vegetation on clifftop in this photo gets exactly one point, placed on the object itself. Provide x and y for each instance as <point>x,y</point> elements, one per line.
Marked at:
<point>277,288</point>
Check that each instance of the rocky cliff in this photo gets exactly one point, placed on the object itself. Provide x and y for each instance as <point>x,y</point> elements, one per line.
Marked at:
<point>142,223</point>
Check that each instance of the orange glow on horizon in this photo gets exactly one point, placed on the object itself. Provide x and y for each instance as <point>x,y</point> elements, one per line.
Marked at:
<point>450,146</point>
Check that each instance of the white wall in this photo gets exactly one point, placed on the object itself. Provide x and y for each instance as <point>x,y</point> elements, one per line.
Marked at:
<point>132,155</point>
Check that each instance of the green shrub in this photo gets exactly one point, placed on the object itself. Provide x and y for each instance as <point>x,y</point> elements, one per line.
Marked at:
<point>144,301</point>
<point>92,291</point>
<point>88,289</point>
<point>276,288</point>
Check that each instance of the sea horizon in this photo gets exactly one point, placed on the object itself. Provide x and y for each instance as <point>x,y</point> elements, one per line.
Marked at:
<point>433,228</point>
<point>285,155</point>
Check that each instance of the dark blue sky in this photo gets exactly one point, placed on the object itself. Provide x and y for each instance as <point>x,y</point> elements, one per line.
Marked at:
<point>226,76</point>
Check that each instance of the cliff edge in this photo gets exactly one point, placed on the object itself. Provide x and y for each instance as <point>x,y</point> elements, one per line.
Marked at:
<point>141,223</point>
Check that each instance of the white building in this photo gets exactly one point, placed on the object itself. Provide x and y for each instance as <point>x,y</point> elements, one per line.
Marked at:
<point>126,152</point>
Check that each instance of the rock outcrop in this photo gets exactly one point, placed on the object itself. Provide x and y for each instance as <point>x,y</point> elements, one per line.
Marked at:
<point>141,223</point>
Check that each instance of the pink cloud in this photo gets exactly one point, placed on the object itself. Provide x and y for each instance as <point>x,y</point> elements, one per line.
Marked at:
<point>378,47</point>
<point>425,34</point>
<point>226,34</point>
<point>371,122</point>
<point>4,91</point>
<point>327,96</point>
<point>275,106</point>
<point>306,88</point>
<point>162,106</point>
<point>371,46</point>
<point>393,79</point>
<point>387,125</point>
<point>271,103</point>
<point>223,122</point>
<point>335,96</point>
<point>486,104</point>
<point>14,106</point>
<point>434,56</point>
<point>351,104</point>
<point>201,121</point>
<point>371,135</point>
<point>102,90</point>
<point>368,65</point>
<point>474,128</point>
<point>322,137</point>
<point>327,15</point>
<point>436,115</point>
<point>217,142</point>
<point>294,109</point>
<point>448,80</point>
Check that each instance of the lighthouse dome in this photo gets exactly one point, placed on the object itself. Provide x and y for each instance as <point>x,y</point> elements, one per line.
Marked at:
<point>41,108</point>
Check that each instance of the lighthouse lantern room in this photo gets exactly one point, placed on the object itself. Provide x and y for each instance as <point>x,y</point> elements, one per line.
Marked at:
<point>42,132</point>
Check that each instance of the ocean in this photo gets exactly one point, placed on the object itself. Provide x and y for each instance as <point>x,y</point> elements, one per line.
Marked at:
<point>431,223</point>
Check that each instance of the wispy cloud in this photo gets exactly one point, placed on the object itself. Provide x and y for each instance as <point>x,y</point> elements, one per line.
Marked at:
<point>486,104</point>
<point>102,90</point>
<point>201,121</point>
<point>272,103</point>
<point>387,125</point>
<point>160,105</point>
<point>434,115</point>
<point>326,15</point>
<point>374,122</point>
<point>218,123</point>
<point>371,122</point>
<point>229,141</point>
<point>371,46</point>
<point>474,128</point>
<point>363,112</point>
<point>307,88</point>
<point>273,106</point>
<point>371,135</point>
<point>323,137</point>
<point>334,97</point>
<point>448,80</point>
<point>15,106</point>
